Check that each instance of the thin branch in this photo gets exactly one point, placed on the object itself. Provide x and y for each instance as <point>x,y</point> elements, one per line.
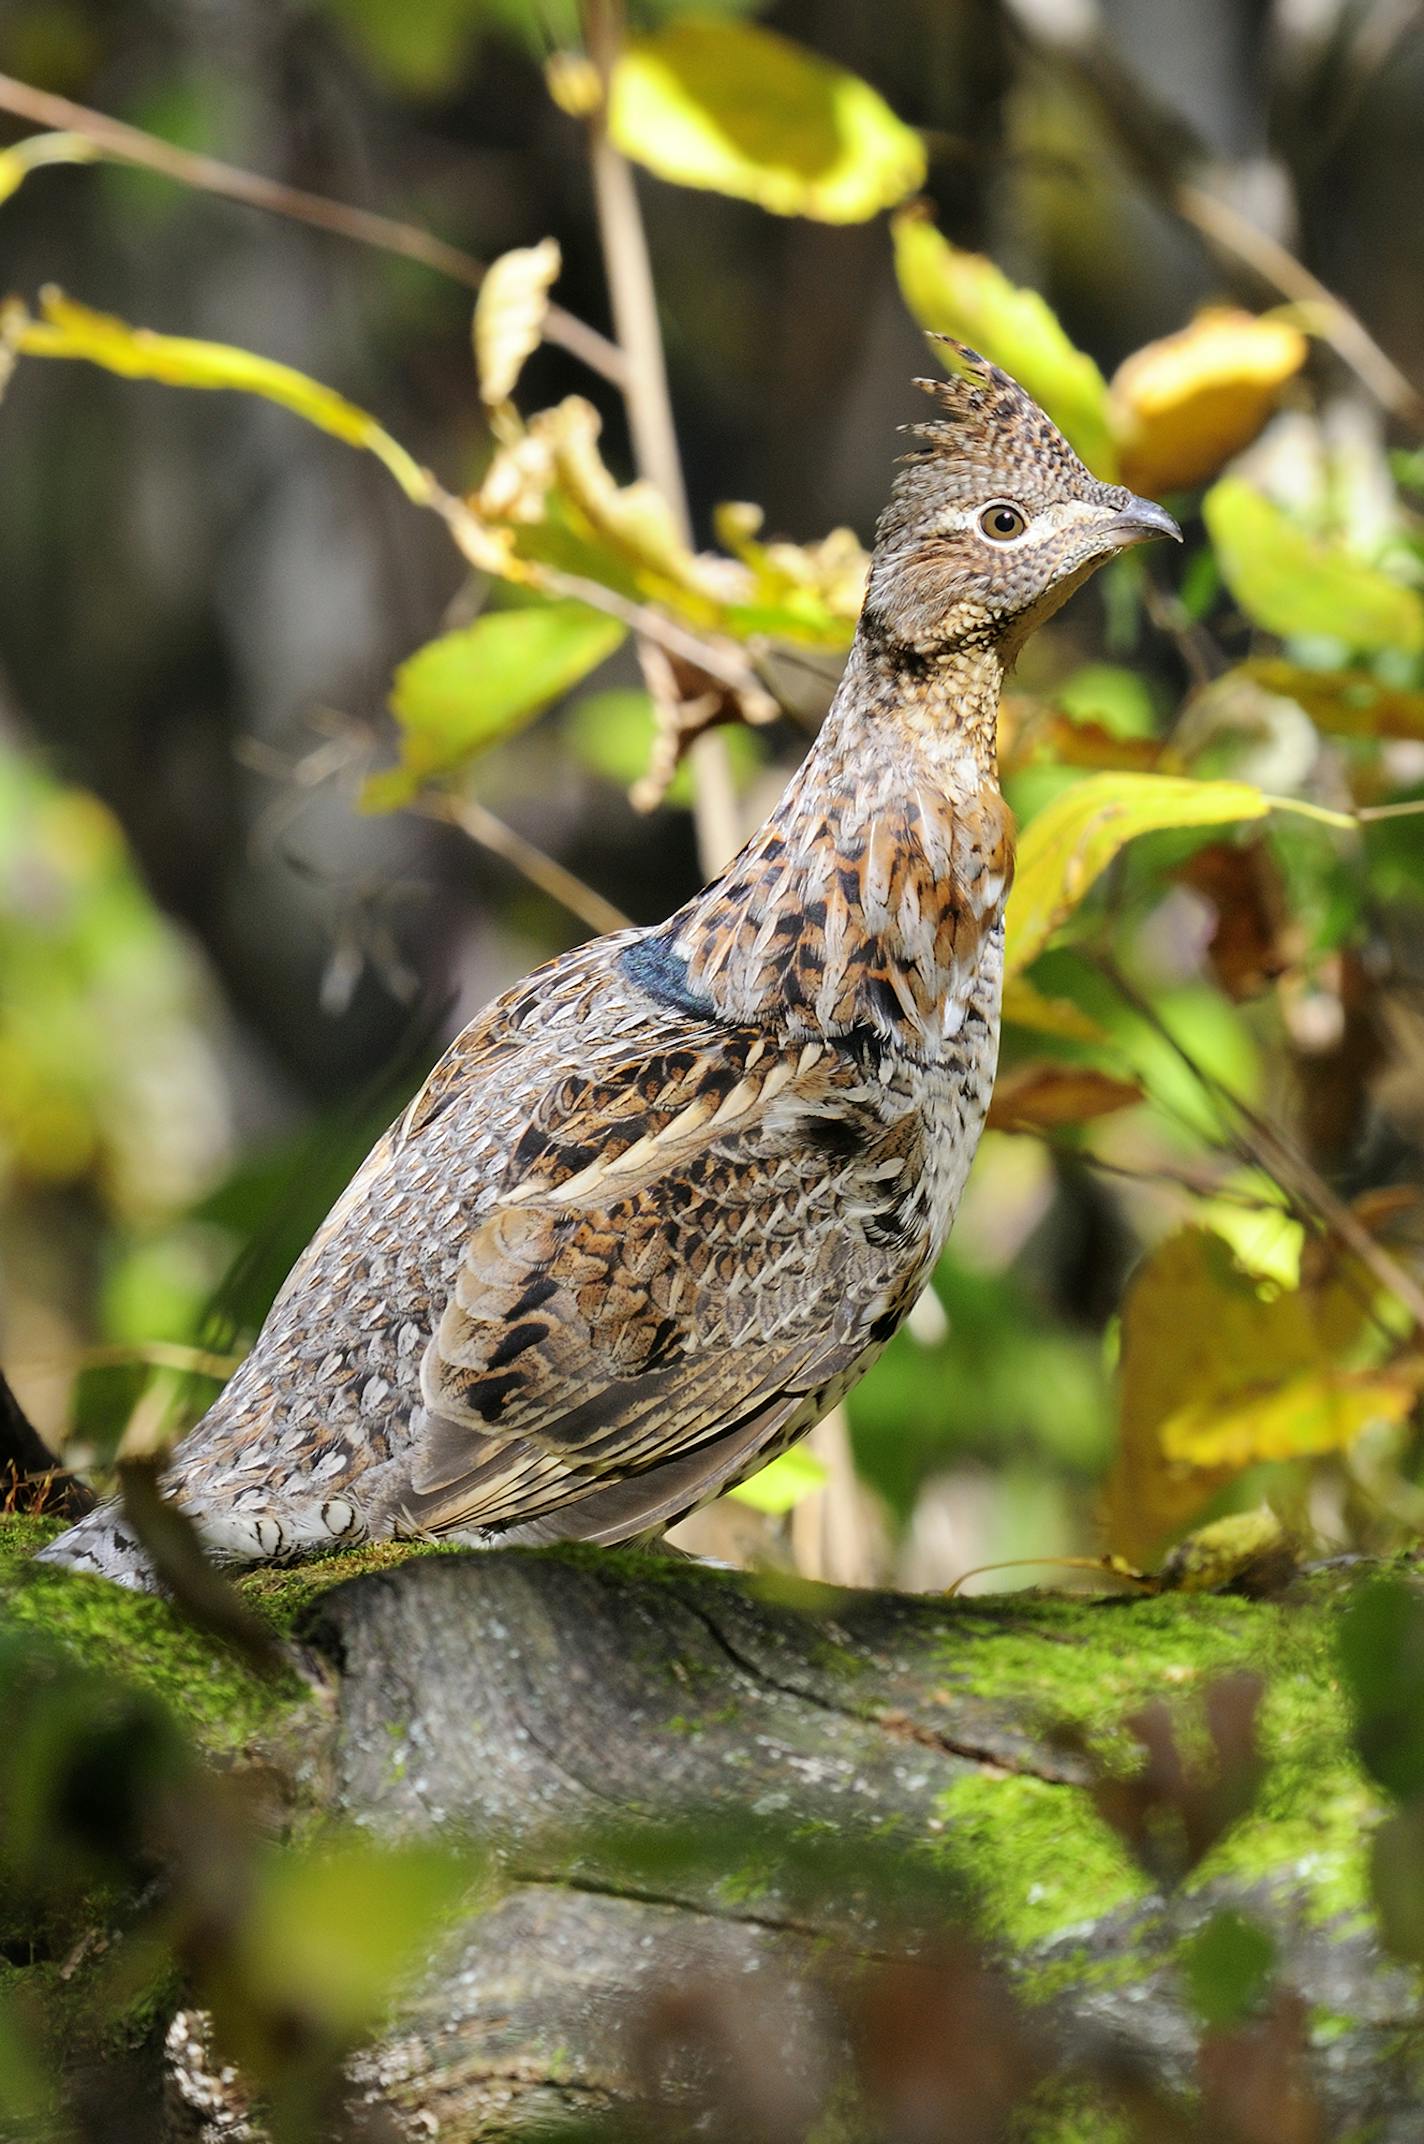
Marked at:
<point>1169,156</point>
<point>650,419</point>
<point>541,870</point>
<point>1225,228</point>
<point>208,174</point>
<point>198,1588</point>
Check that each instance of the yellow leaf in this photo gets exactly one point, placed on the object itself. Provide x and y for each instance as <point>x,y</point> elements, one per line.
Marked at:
<point>811,591</point>
<point>964,295</point>
<point>1064,850</point>
<point>1200,1333</point>
<point>23,157</point>
<point>740,110</point>
<point>573,82</point>
<point>1249,1551</point>
<point>1346,703</point>
<point>1183,406</point>
<point>635,518</point>
<point>1320,1410</point>
<point>1289,583</point>
<point>1025,1006</point>
<point>509,315</point>
<point>71,331</point>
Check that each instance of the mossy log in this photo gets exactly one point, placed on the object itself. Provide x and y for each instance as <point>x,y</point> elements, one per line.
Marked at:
<point>564,1705</point>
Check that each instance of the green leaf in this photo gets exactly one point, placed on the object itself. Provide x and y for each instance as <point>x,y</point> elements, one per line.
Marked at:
<point>1228,1966</point>
<point>1065,849</point>
<point>780,1487</point>
<point>1289,583</point>
<point>329,1932</point>
<point>963,294</point>
<point>1382,1660</point>
<point>739,110</point>
<point>466,691</point>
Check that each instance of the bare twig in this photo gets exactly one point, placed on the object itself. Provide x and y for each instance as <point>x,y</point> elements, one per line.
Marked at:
<point>645,390</point>
<point>543,871</point>
<point>1170,157</point>
<point>208,174</point>
<point>1226,229</point>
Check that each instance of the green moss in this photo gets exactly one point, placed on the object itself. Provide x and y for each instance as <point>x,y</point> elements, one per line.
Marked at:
<point>20,1536</point>
<point>281,1595</point>
<point>139,1639</point>
<point>1059,2113</point>
<point>1033,1856</point>
<point>1311,1822</point>
<point>1101,1658</point>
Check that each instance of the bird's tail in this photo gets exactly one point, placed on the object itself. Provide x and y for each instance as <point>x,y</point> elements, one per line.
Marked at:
<point>103,1545</point>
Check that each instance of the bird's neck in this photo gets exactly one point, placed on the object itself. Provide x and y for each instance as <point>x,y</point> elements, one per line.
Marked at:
<point>862,905</point>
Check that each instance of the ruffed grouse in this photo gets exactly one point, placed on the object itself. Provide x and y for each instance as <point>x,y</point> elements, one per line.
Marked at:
<point>666,1199</point>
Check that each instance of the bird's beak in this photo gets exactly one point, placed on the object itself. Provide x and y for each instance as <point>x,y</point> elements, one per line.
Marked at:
<point>1140,521</point>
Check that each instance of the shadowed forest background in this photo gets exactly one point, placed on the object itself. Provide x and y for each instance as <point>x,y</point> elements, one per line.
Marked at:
<point>305,753</point>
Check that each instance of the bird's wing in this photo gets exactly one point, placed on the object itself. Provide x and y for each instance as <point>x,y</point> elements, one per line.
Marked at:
<point>688,1245</point>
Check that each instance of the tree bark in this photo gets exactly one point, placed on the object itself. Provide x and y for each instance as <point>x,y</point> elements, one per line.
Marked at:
<point>574,1708</point>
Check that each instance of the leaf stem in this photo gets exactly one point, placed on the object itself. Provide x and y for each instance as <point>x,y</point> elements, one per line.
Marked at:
<point>541,870</point>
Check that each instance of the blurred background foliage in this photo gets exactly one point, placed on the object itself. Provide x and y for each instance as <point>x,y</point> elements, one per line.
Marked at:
<point>305,752</point>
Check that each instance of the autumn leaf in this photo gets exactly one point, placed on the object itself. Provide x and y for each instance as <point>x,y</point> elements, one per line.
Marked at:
<point>1319,1410</point>
<point>965,295</point>
<point>1026,1007</point>
<point>1344,703</point>
<point>1072,841</point>
<point>1252,941</point>
<point>1046,1096</point>
<point>1182,407</point>
<point>1289,583</point>
<point>1208,1350</point>
<point>509,315</point>
<point>737,109</point>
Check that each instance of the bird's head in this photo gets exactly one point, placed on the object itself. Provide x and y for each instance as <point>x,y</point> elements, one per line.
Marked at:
<point>993,520</point>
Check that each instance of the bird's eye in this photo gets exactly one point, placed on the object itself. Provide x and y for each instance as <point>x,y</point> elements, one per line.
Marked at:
<point>1001,522</point>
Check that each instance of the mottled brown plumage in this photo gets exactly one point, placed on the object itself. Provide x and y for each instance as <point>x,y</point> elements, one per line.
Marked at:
<point>661,1203</point>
